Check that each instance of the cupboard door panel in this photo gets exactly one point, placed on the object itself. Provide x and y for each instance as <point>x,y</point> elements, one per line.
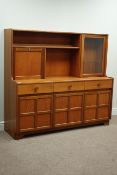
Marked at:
<point>104,98</point>
<point>27,105</point>
<point>103,112</point>
<point>43,121</point>
<point>44,103</point>
<point>61,102</point>
<point>91,99</point>
<point>44,111</point>
<point>104,102</point>
<point>61,118</point>
<point>75,116</point>
<point>76,101</point>
<point>27,122</point>
<point>90,114</point>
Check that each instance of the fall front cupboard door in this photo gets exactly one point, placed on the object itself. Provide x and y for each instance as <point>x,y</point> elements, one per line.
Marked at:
<point>27,62</point>
<point>68,109</point>
<point>97,105</point>
<point>35,112</point>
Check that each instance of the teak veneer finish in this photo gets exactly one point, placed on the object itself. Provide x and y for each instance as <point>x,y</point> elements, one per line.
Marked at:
<point>54,81</point>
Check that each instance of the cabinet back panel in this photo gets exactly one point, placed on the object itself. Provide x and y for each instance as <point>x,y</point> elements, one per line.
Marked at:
<point>24,37</point>
<point>58,62</point>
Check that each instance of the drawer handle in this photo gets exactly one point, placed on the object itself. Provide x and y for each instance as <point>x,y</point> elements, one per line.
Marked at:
<point>69,87</point>
<point>98,84</point>
<point>36,89</point>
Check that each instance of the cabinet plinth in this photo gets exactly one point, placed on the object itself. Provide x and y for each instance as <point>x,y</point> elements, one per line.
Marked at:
<point>55,81</point>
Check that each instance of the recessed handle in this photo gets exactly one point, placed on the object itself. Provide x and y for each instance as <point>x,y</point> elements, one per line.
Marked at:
<point>98,84</point>
<point>36,89</point>
<point>69,87</point>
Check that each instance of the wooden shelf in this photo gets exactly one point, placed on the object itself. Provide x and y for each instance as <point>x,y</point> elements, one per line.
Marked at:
<point>47,46</point>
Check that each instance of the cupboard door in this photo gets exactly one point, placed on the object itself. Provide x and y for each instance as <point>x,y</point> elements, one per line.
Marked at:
<point>94,55</point>
<point>68,109</point>
<point>61,105</point>
<point>26,113</point>
<point>97,105</point>
<point>44,111</point>
<point>75,108</point>
<point>104,102</point>
<point>90,106</point>
<point>27,62</point>
<point>27,122</point>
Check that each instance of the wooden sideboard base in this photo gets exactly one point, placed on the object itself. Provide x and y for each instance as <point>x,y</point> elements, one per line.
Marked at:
<point>59,129</point>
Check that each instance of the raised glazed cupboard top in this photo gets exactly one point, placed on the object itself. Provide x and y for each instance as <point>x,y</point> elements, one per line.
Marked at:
<point>46,54</point>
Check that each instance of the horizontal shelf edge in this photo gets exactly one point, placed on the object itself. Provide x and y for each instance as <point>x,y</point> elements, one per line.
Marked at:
<point>46,46</point>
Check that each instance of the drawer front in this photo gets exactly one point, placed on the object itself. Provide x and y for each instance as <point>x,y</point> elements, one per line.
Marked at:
<point>100,84</point>
<point>34,88</point>
<point>68,86</point>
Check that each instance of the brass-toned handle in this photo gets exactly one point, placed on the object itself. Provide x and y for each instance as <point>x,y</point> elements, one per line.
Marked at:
<point>98,84</point>
<point>36,89</point>
<point>69,87</point>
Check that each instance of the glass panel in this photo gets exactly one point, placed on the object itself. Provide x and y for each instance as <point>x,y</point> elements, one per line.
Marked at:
<point>93,55</point>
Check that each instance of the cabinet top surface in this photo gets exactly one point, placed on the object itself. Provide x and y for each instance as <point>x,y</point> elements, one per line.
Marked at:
<point>61,32</point>
<point>59,79</point>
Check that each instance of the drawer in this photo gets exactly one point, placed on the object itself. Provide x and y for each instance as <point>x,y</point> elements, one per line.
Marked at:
<point>68,86</point>
<point>98,84</point>
<point>34,88</point>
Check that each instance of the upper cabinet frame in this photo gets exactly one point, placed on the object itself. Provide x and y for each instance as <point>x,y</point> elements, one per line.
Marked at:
<point>60,54</point>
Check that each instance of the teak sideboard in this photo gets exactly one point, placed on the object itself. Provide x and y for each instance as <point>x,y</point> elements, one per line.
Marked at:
<point>54,81</point>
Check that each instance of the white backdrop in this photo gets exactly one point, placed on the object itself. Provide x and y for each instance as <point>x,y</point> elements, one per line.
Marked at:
<point>89,16</point>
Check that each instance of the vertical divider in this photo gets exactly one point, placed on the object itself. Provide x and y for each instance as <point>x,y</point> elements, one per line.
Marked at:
<point>43,63</point>
<point>81,54</point>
